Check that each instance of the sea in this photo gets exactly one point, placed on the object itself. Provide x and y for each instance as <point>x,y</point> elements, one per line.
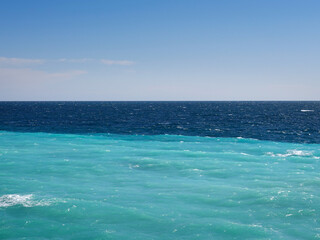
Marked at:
<point>159,170</point>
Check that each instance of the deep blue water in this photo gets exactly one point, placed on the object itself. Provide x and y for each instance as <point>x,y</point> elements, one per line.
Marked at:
<point>159,170</point>
<point>275,121</point>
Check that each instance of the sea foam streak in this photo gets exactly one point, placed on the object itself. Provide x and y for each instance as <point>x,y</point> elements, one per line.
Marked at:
<point>289,153</point>
<point>24,200</point>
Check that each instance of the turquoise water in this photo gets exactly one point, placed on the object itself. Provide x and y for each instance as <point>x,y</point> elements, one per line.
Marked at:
<point>68,186</point>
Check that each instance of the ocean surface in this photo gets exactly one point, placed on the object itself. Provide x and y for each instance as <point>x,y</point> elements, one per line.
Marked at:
<point>159,170</point>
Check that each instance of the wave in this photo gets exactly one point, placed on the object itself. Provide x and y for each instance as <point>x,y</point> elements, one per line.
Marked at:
<point>10,200</point>
<point>306,110</point>
<point>289,153</point>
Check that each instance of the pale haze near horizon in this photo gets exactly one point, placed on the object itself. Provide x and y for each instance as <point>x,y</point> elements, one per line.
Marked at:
<point>159,50</point>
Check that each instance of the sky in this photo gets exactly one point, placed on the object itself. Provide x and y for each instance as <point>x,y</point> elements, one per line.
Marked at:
<point>159,50</point>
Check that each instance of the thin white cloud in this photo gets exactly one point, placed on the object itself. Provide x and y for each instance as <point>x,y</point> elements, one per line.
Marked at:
<point>29,76</point>
<point>20,61</point>
<point>75,60</point>
<point>116,62</point>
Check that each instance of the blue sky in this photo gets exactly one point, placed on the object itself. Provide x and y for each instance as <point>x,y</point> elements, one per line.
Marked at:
<point>160,50</point>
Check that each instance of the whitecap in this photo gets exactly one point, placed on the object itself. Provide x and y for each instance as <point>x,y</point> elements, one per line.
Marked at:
<point>9,200</point>
<point>306,110</point>
<point>245,154</point>
<point>299,153</point>
<point>196,170</point>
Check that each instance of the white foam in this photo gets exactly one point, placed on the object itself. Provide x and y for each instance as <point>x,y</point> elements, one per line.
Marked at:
<point>24,200</point>
<point>306,110</point>
<point>245,154</point>
<point>289,153</point>
<point>196,170</point>
<point>299,153</point>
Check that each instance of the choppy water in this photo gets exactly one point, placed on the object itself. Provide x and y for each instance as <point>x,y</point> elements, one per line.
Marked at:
<point>68,186</point>
<point>275,121</point>
<point>121,171</point>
